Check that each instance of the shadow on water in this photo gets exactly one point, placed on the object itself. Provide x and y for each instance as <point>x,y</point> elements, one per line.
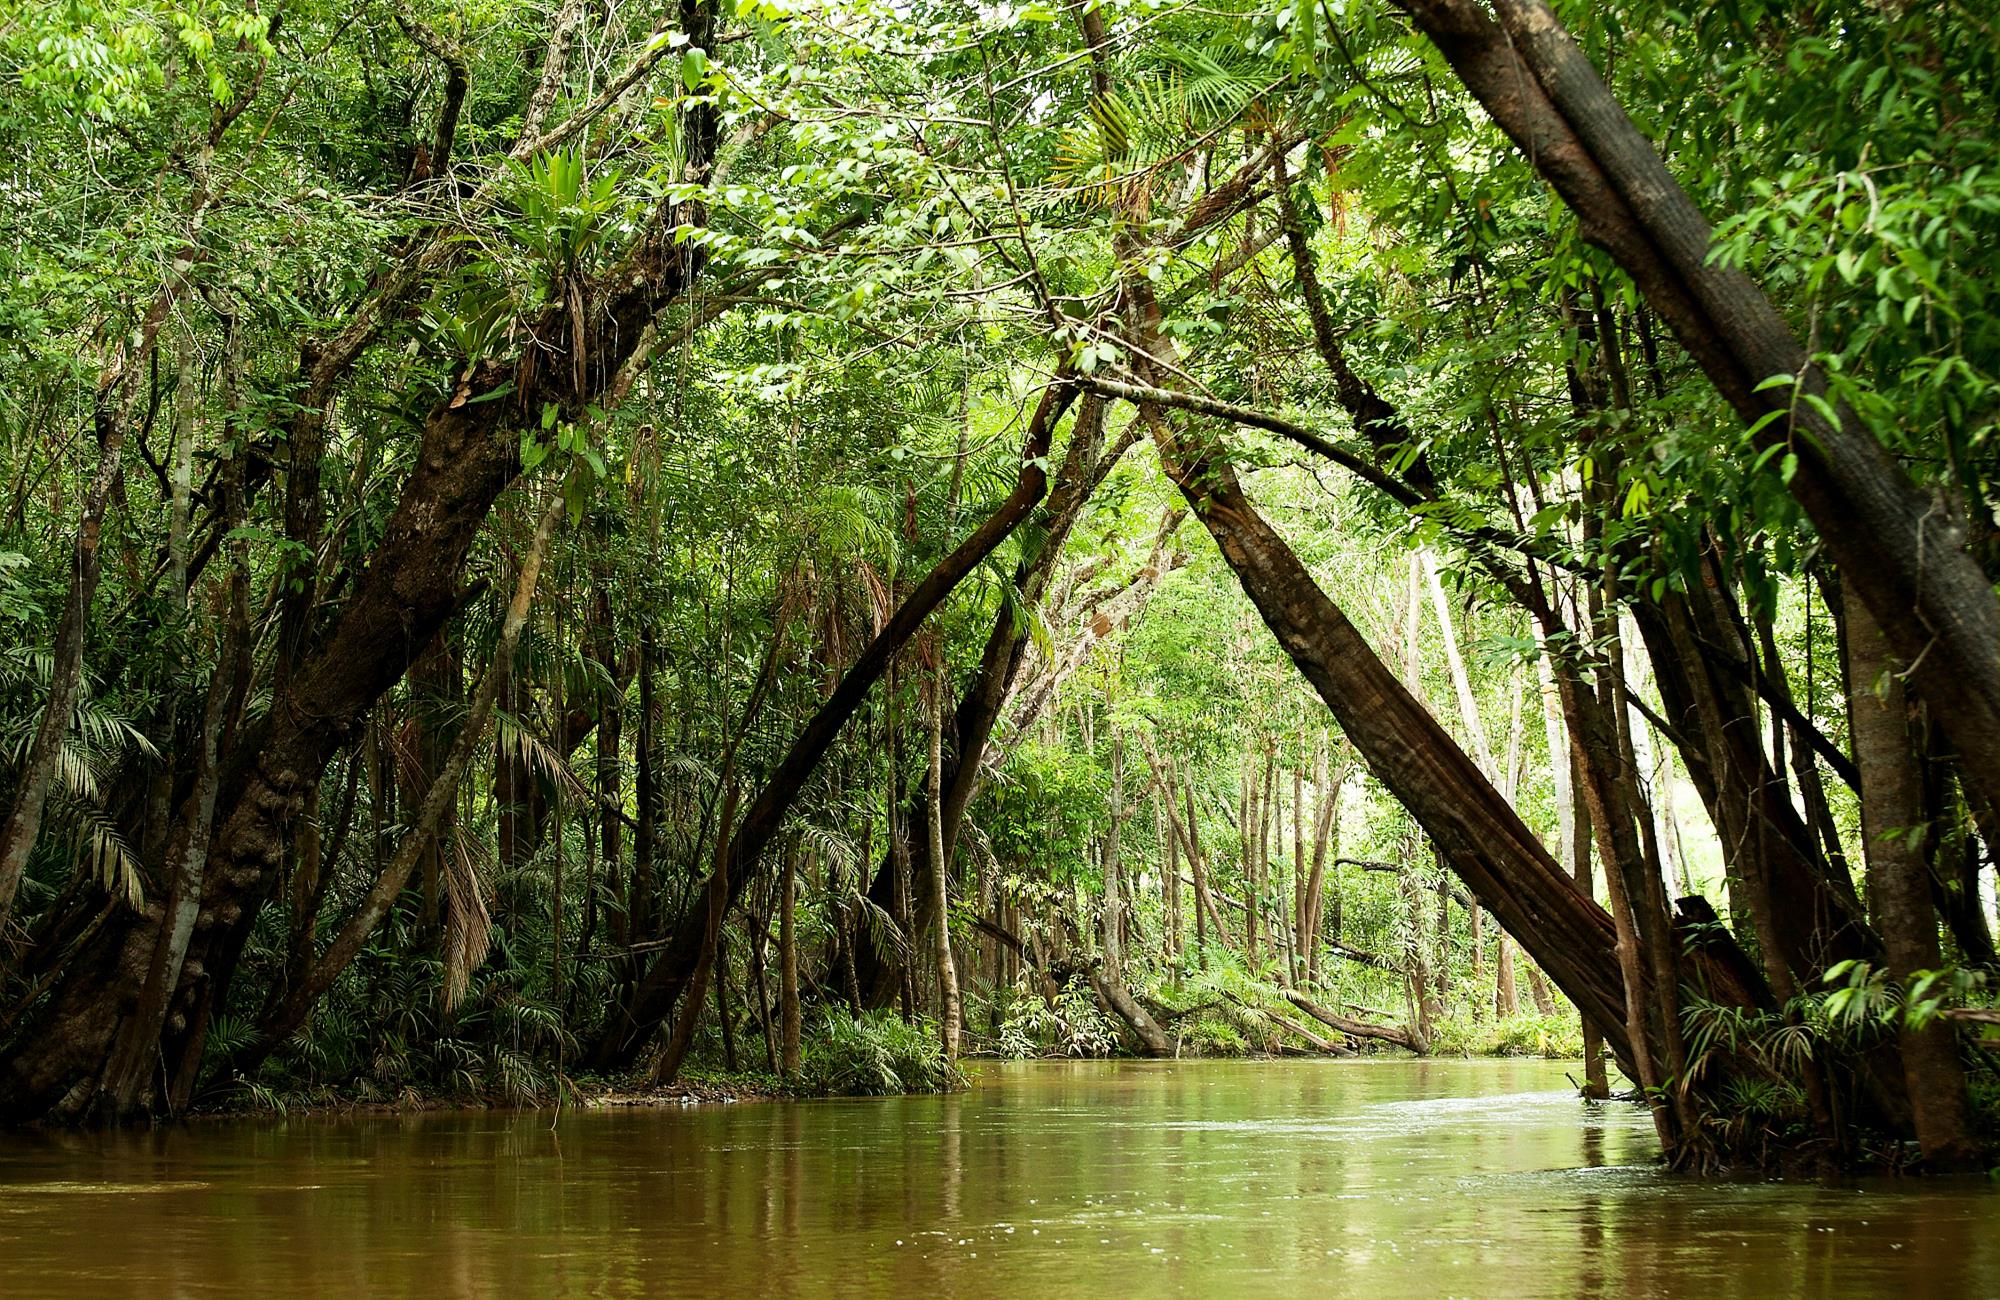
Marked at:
<point>1370,1178</point>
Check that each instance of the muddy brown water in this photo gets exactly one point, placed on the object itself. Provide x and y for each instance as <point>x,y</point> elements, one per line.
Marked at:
<point>1375,1179</point>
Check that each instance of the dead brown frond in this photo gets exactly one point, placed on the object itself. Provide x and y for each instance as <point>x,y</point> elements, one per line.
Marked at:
<point>468,924</point>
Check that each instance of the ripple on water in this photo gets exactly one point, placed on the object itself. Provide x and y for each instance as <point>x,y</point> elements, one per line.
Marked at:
<point>95,1189</point>
<point>1387,1118</point>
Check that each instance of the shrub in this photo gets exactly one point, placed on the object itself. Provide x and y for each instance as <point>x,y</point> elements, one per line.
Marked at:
<point>1073,1026</point>
<point>1212,1035</point>
<point>875,1056</point>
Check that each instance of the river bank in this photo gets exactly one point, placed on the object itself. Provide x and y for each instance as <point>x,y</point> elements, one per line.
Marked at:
<point>868,1062</point>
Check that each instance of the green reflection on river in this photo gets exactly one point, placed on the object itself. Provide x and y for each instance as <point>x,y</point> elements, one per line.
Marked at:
<point>1376,1178</point>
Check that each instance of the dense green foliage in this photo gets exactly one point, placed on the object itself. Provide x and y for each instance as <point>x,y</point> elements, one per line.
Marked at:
<point>875,238</point>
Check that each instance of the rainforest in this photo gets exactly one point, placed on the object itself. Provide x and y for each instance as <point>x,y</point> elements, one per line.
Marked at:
<point>1295,586</point>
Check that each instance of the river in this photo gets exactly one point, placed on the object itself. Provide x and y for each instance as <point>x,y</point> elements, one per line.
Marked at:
<point>1376,1179</point>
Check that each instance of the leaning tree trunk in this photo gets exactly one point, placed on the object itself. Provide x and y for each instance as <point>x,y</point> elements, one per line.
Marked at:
<point>1481,837</point>
<point>715,899</point>
<point>980,708</point>
<point>1902,553</point>
<point>291,1013</point>
<point>1152,1039</point>
<point>664,983</point>
<point>1763,837</point>
<point>1084,466</point>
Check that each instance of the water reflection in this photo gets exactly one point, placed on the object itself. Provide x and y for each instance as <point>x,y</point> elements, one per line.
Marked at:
<point>1368,1178</point>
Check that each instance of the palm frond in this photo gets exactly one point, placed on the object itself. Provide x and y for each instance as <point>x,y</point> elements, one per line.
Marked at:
<point>887,938</point>
<point>468,924</point>
<point>540,756</point>
<point>96,844</point>
<point>833,848</point>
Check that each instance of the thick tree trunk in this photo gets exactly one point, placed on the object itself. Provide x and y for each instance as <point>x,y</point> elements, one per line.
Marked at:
<point>1813,916</point>
<point>468,454</point>
<point>397,608</point>
<point>1902,554</point>
<point>318,857</point>
<point>1899,885</point>
<point>1506,995</point>
<point>1152,1039</point>
<point>1483,840</point>
<point>299,1002</point>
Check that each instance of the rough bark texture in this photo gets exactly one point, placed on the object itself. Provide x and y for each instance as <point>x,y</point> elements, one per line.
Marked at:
<point>1899,885</point>
<point>1762,834</point>
<point>291,1013</point>
<point>1902,552</point>
<point>1481,837</point>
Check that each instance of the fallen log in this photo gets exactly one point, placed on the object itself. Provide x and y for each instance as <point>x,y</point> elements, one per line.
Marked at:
<point>1458,895</point>
<point>1163,1013</point>
<point>1115,995</point>
<point>1353,1028</point>
<point>1368,959</point>
<point>1291,1026</point>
